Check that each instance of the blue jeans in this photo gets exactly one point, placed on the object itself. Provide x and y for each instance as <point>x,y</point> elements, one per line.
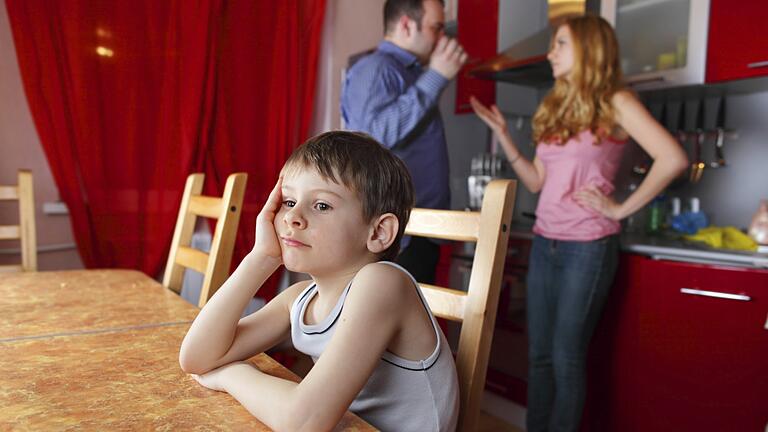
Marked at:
<point>568,283</point>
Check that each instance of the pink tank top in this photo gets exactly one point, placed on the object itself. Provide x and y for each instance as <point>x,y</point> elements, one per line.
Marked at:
<point>577,164</point>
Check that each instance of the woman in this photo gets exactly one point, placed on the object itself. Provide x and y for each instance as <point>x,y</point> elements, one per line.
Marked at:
<point>580,128</point>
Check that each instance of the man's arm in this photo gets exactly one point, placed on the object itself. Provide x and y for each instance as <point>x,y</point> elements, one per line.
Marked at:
<point>376,103</point>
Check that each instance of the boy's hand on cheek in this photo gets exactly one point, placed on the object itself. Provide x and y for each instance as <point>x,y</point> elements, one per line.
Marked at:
<point>267,244</point>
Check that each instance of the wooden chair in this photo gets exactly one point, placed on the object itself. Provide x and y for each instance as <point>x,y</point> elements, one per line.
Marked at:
<point>476,307</point>
<point>25,231</point>
<point>213,265</point>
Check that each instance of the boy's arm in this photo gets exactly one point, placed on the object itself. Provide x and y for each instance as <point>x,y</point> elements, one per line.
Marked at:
<point>218,336</point>
<point>371,317</point>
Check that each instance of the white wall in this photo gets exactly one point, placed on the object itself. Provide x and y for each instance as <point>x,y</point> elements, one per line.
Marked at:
<point>20,148</point>
<point>351,26</point>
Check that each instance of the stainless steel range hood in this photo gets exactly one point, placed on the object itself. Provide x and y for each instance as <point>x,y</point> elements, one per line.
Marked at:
<point>525,62</point>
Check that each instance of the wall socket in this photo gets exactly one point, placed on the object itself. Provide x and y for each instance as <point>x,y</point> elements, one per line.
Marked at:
<point>55,208</point>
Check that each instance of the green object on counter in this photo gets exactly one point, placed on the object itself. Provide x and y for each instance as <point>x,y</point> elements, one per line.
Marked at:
<point>656,215</point>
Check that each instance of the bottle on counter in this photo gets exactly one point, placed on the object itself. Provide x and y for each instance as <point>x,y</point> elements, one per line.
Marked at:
<point>656,215</point>
<point>758,228</point>
<point>691,221</point>
<point>632,222</point>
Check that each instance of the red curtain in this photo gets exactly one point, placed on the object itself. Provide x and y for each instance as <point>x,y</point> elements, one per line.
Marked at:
<point>266,86</point>
<point>130,97</point>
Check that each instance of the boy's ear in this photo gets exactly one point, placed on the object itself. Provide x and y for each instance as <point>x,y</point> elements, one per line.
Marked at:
<point>383,232</point>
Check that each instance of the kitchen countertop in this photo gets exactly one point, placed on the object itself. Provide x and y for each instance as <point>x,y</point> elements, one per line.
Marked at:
<point>670,246</point>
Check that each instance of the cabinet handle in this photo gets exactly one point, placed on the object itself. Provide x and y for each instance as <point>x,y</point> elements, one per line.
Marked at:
<point>716,294</point>
<point>759,64</point>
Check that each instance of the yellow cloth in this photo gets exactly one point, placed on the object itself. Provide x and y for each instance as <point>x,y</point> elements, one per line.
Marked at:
<point>724,237</point>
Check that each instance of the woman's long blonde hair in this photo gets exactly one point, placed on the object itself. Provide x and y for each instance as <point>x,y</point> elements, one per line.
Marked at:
<point>583,100</point>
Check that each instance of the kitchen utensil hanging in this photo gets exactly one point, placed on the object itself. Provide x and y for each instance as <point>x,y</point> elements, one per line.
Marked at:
<point>720,132</point>
<point>675,123</point>
<point>699,136</point>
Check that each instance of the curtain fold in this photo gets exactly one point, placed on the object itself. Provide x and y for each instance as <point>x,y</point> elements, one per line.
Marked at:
<point>130,97</point>
<point>266,93</point>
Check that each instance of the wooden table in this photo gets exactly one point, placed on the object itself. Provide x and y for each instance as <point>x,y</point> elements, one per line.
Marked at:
<point>98,350</point>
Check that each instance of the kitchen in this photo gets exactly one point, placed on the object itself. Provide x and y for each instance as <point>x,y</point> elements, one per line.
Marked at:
<point>728,196</point>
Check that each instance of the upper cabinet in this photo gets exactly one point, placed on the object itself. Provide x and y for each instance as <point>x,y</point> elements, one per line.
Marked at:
<point>663,43</point>
<point>737,45</point>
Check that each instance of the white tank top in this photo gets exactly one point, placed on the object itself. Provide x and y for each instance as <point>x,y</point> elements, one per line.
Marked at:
<point>401,395</point>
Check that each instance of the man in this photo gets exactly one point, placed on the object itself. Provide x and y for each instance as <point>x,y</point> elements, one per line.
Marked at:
<point>392,94</point>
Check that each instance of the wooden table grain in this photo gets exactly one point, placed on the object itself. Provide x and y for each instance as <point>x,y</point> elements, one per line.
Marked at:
<point>42,304</point>
<point>66,365</point>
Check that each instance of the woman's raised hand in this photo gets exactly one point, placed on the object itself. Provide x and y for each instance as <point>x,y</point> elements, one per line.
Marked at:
<point>491,116</point>
<point>267,244</point>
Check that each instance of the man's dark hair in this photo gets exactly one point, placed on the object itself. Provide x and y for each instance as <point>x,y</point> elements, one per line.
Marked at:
<point>356,160</point>
<point>413,9</point>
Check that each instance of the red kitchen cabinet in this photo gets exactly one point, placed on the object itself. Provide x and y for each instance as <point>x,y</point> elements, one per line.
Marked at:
<point>737,45</point>
<point>664,360</point>
<point>478,33</point>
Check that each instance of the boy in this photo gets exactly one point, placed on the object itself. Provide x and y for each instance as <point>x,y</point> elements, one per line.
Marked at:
<point>337,213</point>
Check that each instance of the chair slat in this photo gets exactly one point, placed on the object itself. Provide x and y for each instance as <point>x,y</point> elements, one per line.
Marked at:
<point>214,265</point>
<point>205,206</point>
<point>476,308</point>
<point>445,302</point>
<point>444,224</point>
<point>9,193</point>
<point>24,193</point>
<point>9,232</point>
<point>192,258</point>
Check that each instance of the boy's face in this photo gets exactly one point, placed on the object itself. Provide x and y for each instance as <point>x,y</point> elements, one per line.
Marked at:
<point>320,225</point>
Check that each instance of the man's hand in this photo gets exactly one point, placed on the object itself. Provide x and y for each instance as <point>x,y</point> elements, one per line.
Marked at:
<point>267,245</point>
<point>448,57</point>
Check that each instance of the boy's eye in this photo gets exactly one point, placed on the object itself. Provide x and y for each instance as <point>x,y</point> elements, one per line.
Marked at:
<point>322,206</point>
<point>289,203</point>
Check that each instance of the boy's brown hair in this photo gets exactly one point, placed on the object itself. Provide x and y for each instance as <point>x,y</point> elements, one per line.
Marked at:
<point>356,160</point>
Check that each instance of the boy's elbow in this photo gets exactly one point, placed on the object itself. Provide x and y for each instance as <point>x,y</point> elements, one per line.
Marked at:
<point>189,365</point>
<point>306,419</point>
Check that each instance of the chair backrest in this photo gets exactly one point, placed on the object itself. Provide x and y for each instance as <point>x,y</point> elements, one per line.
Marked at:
<point>213,265</point>
<point>25,230</point>
<point>476,307</point>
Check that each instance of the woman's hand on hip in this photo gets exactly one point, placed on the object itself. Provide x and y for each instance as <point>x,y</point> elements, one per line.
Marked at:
<point>592,197</point>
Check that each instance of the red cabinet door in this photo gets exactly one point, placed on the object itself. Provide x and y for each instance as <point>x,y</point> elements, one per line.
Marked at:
<point>478,34</point>
<point>737,46</point>
<point>670,360</point>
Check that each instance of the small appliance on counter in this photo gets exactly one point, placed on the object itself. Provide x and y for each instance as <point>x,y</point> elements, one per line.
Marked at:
<point>758,228</point>
<point>484,168</point>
